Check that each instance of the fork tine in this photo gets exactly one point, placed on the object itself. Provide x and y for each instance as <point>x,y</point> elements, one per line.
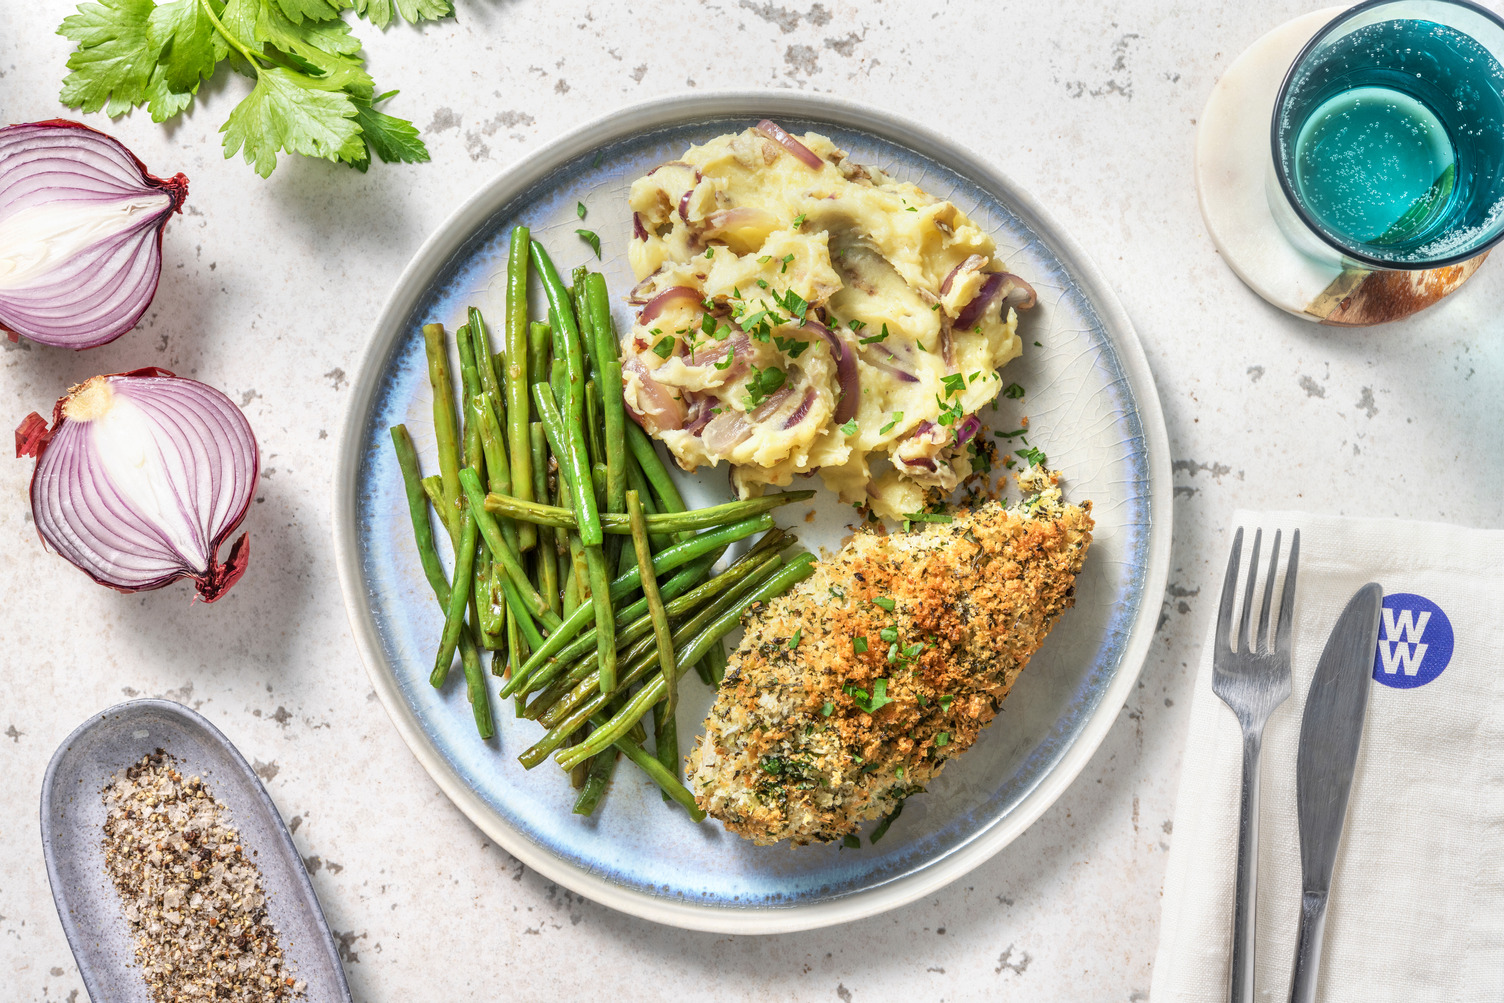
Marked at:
<point>1253,577</point>
<point>1229,589</point>
<point>1287,600</point>
<point>1261,642</point>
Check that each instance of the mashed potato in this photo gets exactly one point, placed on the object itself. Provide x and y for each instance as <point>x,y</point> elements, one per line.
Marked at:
<point>802,313</point>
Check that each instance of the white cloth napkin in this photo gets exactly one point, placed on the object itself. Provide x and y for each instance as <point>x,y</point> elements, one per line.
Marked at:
<point>1417,902</point>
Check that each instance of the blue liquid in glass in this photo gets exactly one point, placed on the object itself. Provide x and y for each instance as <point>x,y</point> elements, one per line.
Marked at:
<point>1393,136</point>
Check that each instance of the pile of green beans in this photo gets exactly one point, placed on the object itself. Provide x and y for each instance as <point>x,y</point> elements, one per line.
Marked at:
<point>576,563</point>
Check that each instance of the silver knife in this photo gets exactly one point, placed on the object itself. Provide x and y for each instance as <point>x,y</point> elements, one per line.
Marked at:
<point>1329,733</point>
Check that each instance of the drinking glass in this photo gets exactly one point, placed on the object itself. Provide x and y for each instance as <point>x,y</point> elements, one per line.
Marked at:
<point>1388,136</point>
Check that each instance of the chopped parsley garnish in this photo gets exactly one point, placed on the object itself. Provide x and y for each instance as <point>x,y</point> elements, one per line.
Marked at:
<point>1011,435</point>
<point>579,209</point>
<point>870,704</point>
<point>794,304</point>
<point>664,347</point>
<point>857,325</point>
<point>849,428</point>
<point>828,709</point>
<point>882,827</point>
<point>942,739</point>
<point>1032,456</point>
<point>1013,391</point>
<point>953,384</point>
<point>945,702</point>
<point>859,645</point>
<point>799,220</point>
<point>851,842</point>
<point>897,417</point>
<point>927,517</point>
<point>885,602</point>
<point>589,237</point>
<point>798,636</point>
<point>912,209</point>
<point>792,347</point>
<point>787,258</point>
<point>924,701</point>
<point>771,764</point>
<point>725,363</point>
<point>889,634</point>
<point>709,252</point>
<point>1038,345</point>
<point>763,382</point>
<point>710,326</point>
<point>876,337</point>
<point>764,259</point>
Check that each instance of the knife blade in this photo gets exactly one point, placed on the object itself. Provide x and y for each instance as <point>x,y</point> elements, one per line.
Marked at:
<point>1330,730</point>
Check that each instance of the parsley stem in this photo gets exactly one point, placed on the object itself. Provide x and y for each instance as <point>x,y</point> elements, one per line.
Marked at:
<point>224,32</point>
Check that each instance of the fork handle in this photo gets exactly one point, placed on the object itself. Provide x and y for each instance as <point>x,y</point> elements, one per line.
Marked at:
<point>1245,901</point>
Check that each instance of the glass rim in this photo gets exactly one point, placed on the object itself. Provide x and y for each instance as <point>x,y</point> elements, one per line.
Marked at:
<point>1279,164</point>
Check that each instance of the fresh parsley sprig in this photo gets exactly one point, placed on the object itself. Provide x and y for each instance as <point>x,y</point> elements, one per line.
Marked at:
<point>312,94</point>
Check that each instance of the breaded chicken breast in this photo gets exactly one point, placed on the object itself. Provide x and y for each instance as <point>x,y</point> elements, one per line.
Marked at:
<point>853,690</point>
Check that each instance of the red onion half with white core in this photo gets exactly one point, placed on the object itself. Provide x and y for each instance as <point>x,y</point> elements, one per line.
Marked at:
<point>80,234</point>
<point>141,478</point>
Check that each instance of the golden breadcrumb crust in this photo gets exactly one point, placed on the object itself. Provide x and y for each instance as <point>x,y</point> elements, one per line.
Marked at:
<point>791,750</point>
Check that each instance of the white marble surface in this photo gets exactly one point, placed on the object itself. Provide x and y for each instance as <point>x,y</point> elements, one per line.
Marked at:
<point>272,286</point>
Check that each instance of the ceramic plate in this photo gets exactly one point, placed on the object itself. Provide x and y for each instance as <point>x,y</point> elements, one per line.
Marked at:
<point>73,816</point>
<point>1091,405</point>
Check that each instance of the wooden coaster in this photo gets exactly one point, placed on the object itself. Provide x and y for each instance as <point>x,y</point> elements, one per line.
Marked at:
<point>1233,172</point>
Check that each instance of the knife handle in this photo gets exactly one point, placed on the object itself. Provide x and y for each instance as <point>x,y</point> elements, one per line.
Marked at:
<point>1308,947</point>
<point>1245,896</point>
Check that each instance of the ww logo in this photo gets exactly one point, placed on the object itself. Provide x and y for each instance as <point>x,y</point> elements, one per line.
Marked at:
<point>1415,642</point>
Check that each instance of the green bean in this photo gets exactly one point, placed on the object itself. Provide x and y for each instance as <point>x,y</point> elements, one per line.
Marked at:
<point>673,557</point>
<point>567,338</point>
<point>637,482</point>
<point>539,339</point>
<point>433,488</point>
<point>547,559</point>
<point>715,662</point>
<point>498,468</point>
<point>445,423</point>
<point>608,379</point>
<point>417,506</point>
<point>666,740</point>
<point>655,603</point>
<point>593,424</point>
<point>471,386</point>
<point>553,430</point>
<point>657,523</point>
<point>516,376</point>
<point>480,700</point>
<point>654,690</point>
<point>732,601</point>
<point>459,599</point>
<point>485,360</point>
<point>583,683</point>
<point>517,606</point>
<point>671,784</point>
<point>653,469</point>
<point>596,782</point>
<point>605,620</point>
<point>535,605</point>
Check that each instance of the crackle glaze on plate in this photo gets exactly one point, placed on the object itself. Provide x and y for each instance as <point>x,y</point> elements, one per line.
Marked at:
<point>1091,405</point>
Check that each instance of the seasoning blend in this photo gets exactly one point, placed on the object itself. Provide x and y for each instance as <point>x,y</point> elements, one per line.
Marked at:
<point>192,895</point>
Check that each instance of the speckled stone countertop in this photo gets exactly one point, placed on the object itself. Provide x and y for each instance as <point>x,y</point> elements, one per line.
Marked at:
<point>272,287</point>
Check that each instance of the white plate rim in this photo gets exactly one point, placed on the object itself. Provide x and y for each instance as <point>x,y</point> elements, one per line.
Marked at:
<point>452,233</point>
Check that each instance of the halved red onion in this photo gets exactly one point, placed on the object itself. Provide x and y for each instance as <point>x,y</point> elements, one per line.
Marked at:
<point>658,303</point>
<point>846,372</point>
<point>141,478</point>
<point>972,312</point>
<point>700,412</point>
<point>80,233</point>
<point>725,432</point>
<point>775,132</point>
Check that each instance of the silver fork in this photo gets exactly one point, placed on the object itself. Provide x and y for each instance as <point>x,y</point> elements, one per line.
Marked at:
<point>1252,679</point>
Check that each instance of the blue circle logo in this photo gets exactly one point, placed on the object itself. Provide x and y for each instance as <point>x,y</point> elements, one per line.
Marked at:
<point>1415,642</point>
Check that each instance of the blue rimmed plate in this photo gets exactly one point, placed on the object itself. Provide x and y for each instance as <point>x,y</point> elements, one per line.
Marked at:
<point>1091,404</point>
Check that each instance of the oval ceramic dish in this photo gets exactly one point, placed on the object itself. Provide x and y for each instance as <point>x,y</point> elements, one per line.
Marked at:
<point>1092,407</point>
<point>73,816</point>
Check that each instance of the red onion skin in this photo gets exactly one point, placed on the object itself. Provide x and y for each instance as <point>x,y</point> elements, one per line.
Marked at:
<point>638,230</point>
<point>776,133</point>
<point>801,411</point>
<point>32,439</point>
<point>177,189</point>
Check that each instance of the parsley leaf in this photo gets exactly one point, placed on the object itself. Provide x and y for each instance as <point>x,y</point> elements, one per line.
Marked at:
<point>870,704</point>
<point>763,383</point>
<point>1013,391</point>
<point>1032,456</point>
<point>798,636</point>
<point>953,384</point>
<point>589,237</point>
<point>887,603</point>
<point>851,842</point>
<point>849,428</point>
<point>828,709</point>
<point>882,827</point>
<point>579,209</point>
<point>312,94</point>
<point>859,645</point>
<point>665,347</point>
<point>897,417</point>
